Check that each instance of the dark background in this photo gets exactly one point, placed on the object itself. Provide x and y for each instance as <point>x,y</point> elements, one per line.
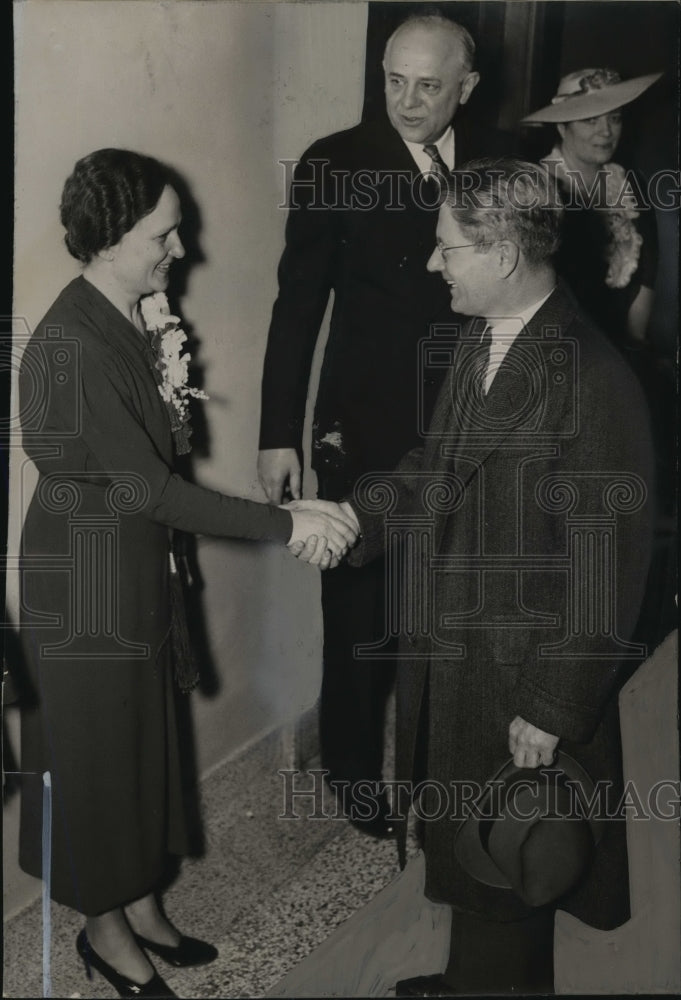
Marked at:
<point>523,49</point>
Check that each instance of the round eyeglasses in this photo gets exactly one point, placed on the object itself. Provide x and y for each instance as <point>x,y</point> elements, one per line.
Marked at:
<point>443,250</point>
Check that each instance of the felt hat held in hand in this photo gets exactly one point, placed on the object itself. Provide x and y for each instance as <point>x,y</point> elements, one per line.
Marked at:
<point>530,830</point>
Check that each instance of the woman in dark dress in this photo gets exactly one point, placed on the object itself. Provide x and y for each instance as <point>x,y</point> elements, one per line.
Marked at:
<point>608,251</point>
<point>608,256</point>
<point>101,403</point>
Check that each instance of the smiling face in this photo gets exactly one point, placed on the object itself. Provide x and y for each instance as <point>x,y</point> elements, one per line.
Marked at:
<point>466,269</point>
<point>591,142</point>
<point>141,260</point>
<point>425,81</point>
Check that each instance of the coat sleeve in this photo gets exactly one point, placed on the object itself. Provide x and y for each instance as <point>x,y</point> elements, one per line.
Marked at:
<point>117,444</point>
<point>566,696</point>
<point>305,280</point>
<point>404,480</point>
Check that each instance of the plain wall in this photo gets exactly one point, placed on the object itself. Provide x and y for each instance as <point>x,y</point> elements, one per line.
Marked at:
<point>221,91</point>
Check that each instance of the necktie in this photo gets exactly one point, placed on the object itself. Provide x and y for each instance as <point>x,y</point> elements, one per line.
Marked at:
<point>439,167</point>
<point>439,174</point>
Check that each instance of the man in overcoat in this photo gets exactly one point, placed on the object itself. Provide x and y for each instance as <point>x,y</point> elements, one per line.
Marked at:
<point>363,209</point>
<point>526,523</point>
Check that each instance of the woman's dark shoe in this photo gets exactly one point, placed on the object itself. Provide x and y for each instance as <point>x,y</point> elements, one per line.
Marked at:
<point>190,951</point>
<point>155,987</point>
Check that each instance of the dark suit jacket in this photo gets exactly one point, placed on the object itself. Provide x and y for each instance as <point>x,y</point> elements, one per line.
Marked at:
<point>357,225</point>
<point>518,479</point>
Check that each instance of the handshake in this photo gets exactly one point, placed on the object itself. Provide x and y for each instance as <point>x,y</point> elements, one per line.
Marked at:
<point>323,531</point>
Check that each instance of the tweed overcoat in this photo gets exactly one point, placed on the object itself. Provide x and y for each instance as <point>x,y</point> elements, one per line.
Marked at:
<point>510,501</point>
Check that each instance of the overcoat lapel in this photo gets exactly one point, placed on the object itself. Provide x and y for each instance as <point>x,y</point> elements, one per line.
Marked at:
<point>469,426</point>
<point>389,151</point>
<point>517,395</point>
<point>451,408</point>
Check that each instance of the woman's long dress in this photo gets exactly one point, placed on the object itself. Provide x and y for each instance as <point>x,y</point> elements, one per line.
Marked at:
<point>584,260</point>
<point>95,603</point>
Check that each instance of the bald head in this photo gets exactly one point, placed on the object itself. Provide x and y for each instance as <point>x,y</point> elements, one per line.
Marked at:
<point>428,74</point>
<point>452,35</point>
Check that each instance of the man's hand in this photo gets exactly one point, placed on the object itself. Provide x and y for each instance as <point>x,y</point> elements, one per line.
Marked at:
<point>279,468</point>
<point>324,529</point>
<point>530,746</point>
<point>317,550</point>
<point>350,513</point>
<point>341,511</point>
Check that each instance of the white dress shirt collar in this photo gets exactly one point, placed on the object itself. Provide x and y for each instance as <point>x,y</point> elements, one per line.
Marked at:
<point>505,329</point>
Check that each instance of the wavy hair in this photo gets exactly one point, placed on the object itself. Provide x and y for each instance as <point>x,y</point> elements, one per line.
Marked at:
<point>107,194</point>
<point>508,199</point>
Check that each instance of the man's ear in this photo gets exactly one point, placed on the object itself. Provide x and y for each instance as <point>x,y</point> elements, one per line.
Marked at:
<point>561,130</point>
<point>468,86</point>
<point>508,255</point>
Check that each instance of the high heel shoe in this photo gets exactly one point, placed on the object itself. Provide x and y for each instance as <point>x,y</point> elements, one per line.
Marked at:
<point>190,951</point>
<point>155,987</point>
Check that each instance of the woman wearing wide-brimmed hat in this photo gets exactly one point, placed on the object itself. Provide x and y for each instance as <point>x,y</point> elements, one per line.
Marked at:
<point>608,256</point>
<point>609,247</point>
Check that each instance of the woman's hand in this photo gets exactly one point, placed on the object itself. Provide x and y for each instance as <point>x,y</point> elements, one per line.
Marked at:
<point>322,527</point>
<point>342,511</point>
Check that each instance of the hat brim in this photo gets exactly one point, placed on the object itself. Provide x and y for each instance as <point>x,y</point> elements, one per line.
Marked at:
<point>468,847</point>
<point>593,103</point>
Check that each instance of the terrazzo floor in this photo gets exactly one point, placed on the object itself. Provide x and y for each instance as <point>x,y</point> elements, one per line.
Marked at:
<point>266,891</point>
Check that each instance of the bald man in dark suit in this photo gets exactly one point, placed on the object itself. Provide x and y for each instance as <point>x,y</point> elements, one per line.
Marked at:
<point>363,209</point>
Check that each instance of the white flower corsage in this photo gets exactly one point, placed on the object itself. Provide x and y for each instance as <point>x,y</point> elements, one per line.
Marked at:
<point>171,366</point>
<point>624,243</point>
